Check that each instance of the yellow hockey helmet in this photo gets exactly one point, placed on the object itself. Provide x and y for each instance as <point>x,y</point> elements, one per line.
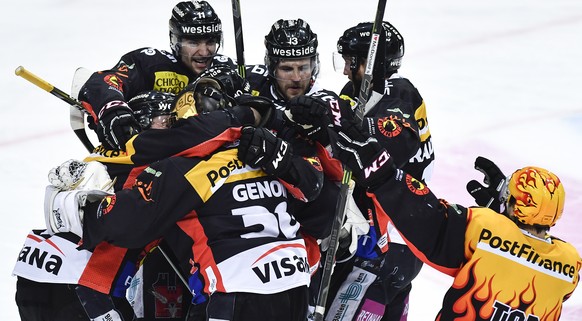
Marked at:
<point>539,196</point>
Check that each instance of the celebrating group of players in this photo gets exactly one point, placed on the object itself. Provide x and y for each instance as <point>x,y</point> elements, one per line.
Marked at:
<point>212,195</point>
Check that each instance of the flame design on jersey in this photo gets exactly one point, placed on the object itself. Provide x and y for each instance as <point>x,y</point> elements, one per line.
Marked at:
<point>474,297</point>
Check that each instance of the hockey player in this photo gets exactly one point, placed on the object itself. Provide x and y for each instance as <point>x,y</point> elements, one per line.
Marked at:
<point>395,115</point>
<point>245,240</point>
<point>50,294</point>
<point>151,110</point>
<point>505,267</point>
<point>195,39</point>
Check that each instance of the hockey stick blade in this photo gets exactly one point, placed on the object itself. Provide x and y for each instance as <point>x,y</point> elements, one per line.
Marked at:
<point>46,86</point>
<point>77,117</point>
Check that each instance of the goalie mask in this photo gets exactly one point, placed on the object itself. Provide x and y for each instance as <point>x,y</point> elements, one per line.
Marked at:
<point>538,195</point>
<point>194,20</point>
<point>289,40</point>
<point>153,109</point>
<point>200,97</point>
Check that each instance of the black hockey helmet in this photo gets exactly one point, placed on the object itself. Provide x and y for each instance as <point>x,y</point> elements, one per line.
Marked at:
<point>194,20</point>
<point>291,39</point>
<point>204,95</point>
<point>232,83</point>
<point>149,104</point>
<point>356,40</point>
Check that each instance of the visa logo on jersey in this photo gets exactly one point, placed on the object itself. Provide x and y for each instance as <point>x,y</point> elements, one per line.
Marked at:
<point>280,268</point>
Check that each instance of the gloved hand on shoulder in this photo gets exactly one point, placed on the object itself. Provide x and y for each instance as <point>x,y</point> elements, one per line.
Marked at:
<point>259,147</point>
<point>310,116</point>
<point>369,162</point>
<point>116,124</point>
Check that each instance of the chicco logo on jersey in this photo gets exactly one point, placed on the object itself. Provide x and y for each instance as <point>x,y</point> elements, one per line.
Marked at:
<point>224,171</point>
<point>204,29</point>
<point>293,52</point>
<point>169,82</point>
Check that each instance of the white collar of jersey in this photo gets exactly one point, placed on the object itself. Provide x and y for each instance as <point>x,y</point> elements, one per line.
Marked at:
<point>545,239</point>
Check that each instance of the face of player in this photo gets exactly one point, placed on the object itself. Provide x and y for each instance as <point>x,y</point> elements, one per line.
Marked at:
<point>197,53</point>
<point>162,121</point>
<point>293,76</point>
<point>359,75</point>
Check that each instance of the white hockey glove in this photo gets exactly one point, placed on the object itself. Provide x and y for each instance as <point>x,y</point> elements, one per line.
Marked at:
<point>355,224</point>
<point>74,184</point>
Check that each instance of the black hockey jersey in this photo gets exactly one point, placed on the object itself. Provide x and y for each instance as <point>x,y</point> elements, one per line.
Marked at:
<point>137,71</point>
<point>244,237</point>
<point>397,119</point>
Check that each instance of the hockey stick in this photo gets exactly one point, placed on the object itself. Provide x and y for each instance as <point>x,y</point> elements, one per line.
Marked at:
<point>77,110</point>
<point>238,38</point>
<point>364,95</point>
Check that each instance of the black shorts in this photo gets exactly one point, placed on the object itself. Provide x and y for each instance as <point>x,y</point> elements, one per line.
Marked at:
<point>290,305</point>
<point>46,301</point>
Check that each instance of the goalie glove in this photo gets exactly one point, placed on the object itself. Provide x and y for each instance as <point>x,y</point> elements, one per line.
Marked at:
<point>355,225</point>
<point>73,184</point>
<point>76,175</point>
<point>490,194</point>
<point>63,210</point>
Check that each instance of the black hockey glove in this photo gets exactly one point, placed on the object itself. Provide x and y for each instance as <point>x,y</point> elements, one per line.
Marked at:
<point>260,148</point>
<point>261,104</point>
<point>488,195</point>
<point>310,117</point>
<point>369,161</point>
<point>116,125</point>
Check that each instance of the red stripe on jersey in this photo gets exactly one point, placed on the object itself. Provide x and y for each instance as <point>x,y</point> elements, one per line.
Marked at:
<point>332,168</point>
<point>210,146</point>
<point>200,249</point>
<point>102,267</point>
<point>277,248</point>
<point>413,248</point>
